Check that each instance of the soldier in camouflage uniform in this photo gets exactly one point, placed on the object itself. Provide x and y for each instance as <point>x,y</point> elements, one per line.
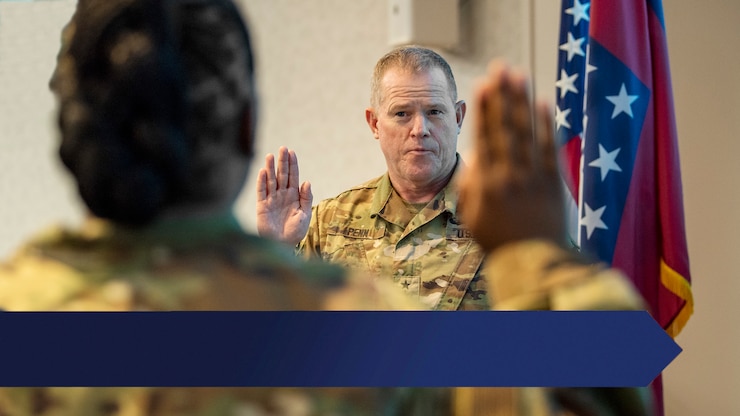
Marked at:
<point>157,114</point>
<point>403,225</point>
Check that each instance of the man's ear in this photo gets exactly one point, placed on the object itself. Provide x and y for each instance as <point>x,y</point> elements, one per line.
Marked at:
<point>247,130</point>
<point>460,109</point>
<point>372,121</point>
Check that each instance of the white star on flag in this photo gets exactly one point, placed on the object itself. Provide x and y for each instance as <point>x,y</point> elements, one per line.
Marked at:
<point>565,83</point>
<point>606,161</point>
<point>573,46</point>
<point>590,68</point>
<point>592,219</point>
<point>622,102</point>
<point>560,117</point>
<point>579,11</point>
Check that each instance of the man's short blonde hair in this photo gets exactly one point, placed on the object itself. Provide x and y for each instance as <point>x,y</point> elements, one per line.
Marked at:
<point>416,59</point>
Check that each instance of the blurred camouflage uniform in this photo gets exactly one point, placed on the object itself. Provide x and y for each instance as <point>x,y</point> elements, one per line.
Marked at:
<point>425,249</point>
<point>190,265</point>
<point>212,265</point>
<point>539,275</point>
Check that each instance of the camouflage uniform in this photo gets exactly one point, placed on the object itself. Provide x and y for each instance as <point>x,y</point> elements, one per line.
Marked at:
<point>212,265</point>
<point>539,275</point>
<point>189,265</point>
<point>430,255</point>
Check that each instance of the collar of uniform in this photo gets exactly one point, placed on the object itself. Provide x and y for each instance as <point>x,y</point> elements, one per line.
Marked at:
<point>383,193</point>
<point>451,194</point>
<point>178,232</point>
<point>446,200</point>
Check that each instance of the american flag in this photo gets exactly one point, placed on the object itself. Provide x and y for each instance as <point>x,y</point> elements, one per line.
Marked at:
<point>618,147</point>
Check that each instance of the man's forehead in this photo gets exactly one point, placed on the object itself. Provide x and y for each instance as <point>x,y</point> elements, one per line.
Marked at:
<point>431,81</point>
<point>404,72</point>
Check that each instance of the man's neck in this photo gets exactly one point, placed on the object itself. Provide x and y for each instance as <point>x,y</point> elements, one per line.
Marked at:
<point>414,193</point>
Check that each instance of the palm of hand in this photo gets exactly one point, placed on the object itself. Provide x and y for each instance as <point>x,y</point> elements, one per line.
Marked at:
<point>512,189</point>
<point>281,217</point>
<point>283,208</point>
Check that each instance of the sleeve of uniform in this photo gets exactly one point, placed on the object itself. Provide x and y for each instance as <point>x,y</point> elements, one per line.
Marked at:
<point>540,275</point>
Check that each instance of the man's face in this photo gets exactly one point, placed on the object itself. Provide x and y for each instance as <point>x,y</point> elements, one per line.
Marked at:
<point>417,123</point>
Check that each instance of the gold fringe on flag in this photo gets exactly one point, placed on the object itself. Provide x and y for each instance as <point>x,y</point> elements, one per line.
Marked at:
<point>679,286</point>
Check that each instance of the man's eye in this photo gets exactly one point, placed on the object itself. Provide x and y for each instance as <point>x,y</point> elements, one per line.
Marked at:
<point>435,112</point>
<point>400,114</point>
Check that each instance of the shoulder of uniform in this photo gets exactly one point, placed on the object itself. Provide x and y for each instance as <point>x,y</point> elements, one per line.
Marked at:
<point>31,280</point>
<point>355,191</point>
<point>50,236</point>
<point>369,184</point>
<point>358,195</point>
<point>549,276</point>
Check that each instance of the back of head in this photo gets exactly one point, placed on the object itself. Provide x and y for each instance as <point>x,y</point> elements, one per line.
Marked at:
<point>156,105</point>
<point>411,58</point>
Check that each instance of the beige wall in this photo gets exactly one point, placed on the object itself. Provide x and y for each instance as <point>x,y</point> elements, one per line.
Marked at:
<point>706,77</point>
<point>315,59</point>
<point>32,190</point>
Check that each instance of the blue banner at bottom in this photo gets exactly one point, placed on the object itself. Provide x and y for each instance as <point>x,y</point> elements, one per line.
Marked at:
<point>320,349</point>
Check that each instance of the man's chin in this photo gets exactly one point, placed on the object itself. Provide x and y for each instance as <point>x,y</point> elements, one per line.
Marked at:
<point>421,175</point>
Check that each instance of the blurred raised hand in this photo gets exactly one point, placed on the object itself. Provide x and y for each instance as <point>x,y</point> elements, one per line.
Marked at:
<point>512,188</point>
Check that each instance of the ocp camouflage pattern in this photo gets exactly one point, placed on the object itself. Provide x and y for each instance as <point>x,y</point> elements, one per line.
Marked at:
<point>430,255</point>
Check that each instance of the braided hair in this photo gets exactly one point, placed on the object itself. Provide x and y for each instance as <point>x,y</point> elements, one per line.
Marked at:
<point>153,95</point>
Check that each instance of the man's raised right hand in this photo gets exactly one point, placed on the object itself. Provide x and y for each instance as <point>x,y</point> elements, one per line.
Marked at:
<point>283,207</point>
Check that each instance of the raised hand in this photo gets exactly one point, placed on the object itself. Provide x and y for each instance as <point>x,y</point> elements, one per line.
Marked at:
<point>283,207</point>
<point>512,189</point>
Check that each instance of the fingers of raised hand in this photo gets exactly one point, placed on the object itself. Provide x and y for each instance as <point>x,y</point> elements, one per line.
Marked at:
<point>545,138</point>
<point>293,176</point>
<point>281,171</point>
<point>511,134</point>
<point>467,188</point>
<point>271,181</point>
<point>306,196</point>
<point>283,167</point>
<point>262,185</point>
<point>519,125</point>
<point>489,145</point>
<point>504,117</point>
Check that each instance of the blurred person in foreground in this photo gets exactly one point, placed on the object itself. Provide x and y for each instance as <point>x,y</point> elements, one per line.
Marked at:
<point>157,114</point>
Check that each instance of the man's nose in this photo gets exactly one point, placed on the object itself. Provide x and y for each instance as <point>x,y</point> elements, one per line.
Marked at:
<point>420,126</point>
